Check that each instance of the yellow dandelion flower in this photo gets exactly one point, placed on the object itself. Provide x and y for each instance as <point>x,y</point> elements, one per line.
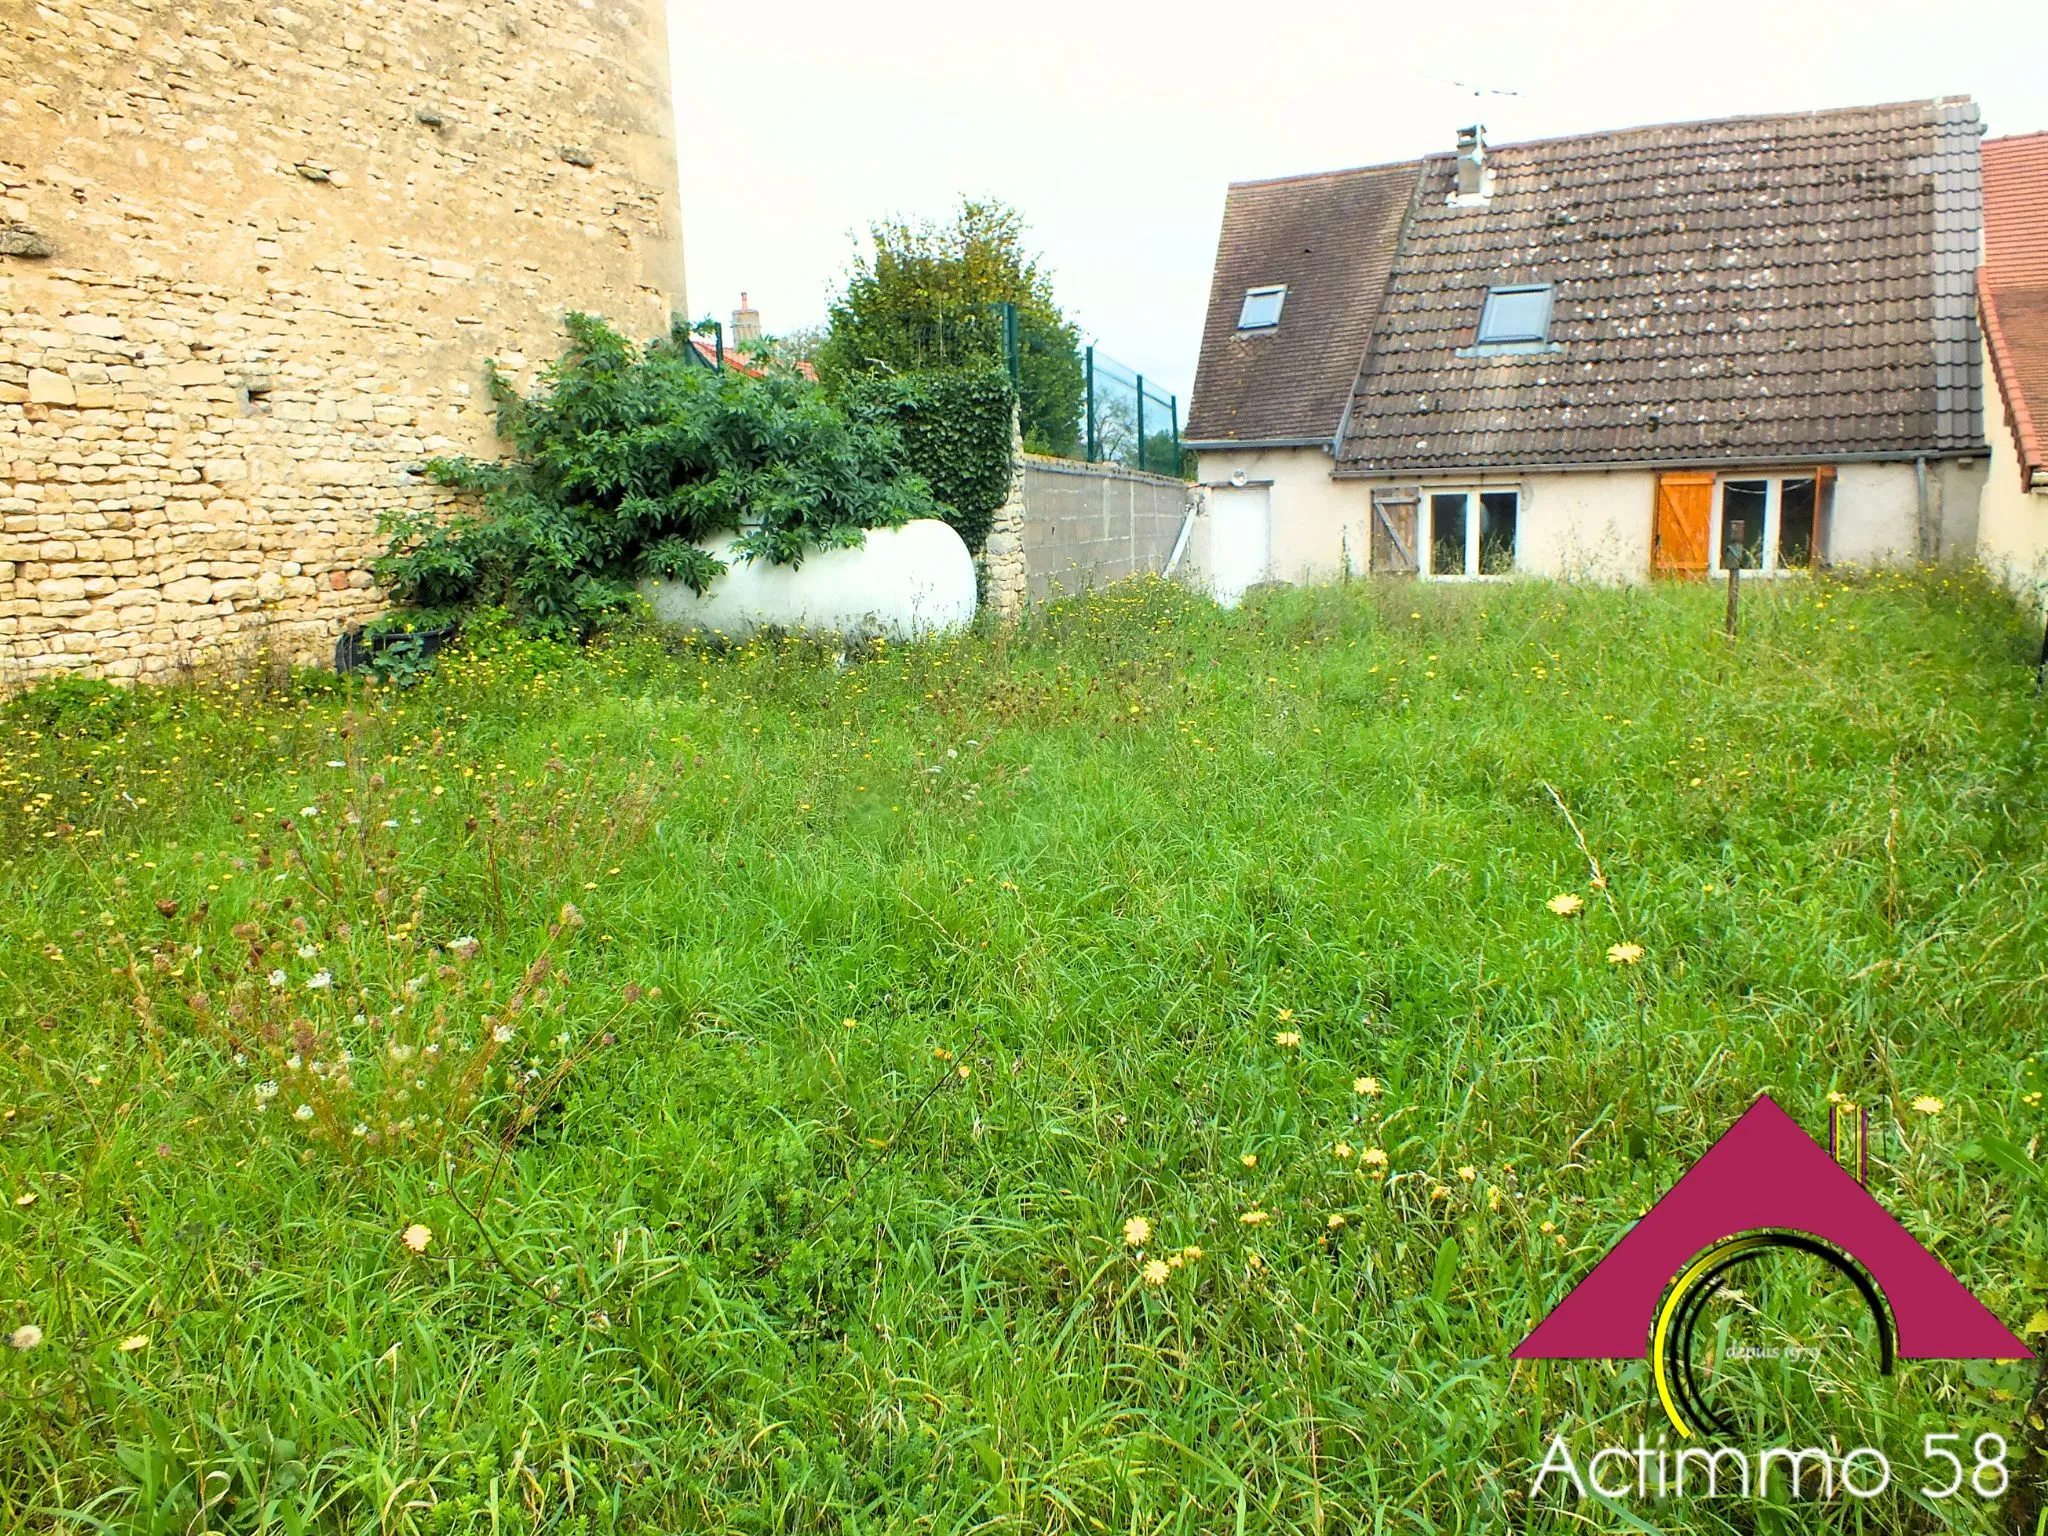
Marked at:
<point>1253,1261</point>
<point>1137,1232</point>
<point>133,1342</point>
<point>1468,1173</point>
<point>850,1023</point>
<point>1373,1156</point>
<point>1192,1252</point>
<point>1624,954</point>
<point>1565,903</point>
<point>1548,1226</point>
<point>1287,1039</point>
<point>1342,1149</point>
<point>1368,1086</point>
<point>1284,1016</point>
<point>1336,1222</point>
<point>417,1236</point>
<point>1156,1272</point>
<point>1249,1159</point>
<point>1928,1104</point>
<point>1255,1218</point>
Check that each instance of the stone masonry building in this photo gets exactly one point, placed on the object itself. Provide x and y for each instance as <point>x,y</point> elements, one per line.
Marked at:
<point>252,260</point>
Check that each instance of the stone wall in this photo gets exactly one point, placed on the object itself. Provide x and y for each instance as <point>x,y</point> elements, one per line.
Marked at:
<point>254,259</point>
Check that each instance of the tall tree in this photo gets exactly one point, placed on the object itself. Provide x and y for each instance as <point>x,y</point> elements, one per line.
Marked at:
<point>928,297</point>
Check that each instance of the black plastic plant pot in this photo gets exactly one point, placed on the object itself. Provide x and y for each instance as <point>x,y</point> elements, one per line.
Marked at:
<point>357,649</point>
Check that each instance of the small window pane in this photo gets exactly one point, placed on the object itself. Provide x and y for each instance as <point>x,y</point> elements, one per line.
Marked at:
<point>1515,314</point>
<point>1743,501</point>
<point>1261,308</point>
<point>1447,534</point>
<point>1795,524</point>
<point>1497,512</point>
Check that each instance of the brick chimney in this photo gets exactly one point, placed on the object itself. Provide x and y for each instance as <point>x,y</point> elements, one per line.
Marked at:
<point>746,324</point>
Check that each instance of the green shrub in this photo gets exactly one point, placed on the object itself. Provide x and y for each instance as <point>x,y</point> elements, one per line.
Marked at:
<point>75,706</point>
<point>956,425</point>
<point>624,462</point>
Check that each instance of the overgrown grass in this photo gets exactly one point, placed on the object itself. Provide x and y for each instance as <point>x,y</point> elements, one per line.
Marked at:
<point>828,1019</point>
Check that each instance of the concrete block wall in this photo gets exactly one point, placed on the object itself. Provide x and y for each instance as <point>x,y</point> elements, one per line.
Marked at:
<point>1085,525</point>
<point>257,257</point>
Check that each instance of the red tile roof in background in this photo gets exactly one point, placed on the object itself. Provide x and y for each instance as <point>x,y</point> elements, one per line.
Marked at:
<point>739,362</point>
<point>2013,288</point>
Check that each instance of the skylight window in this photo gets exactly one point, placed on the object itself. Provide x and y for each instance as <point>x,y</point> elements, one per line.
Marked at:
<point>1261,310</point>
<point>1520,314</point>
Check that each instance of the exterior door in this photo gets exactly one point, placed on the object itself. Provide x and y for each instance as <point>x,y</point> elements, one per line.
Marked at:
<point>1240,540</point>
<point>1679,541</point>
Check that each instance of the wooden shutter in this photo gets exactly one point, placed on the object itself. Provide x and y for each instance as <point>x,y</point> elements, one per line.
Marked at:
<point>1393,530</point>
<point>1823,515</point>
<point>1680,537</point>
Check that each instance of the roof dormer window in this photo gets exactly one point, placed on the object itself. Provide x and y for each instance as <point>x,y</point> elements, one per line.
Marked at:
<point>1518,314</point>
<point>1261,311</point>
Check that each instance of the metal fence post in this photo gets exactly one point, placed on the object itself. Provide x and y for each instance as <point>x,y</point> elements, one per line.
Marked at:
<point>1737,529</point>
<point>1141,422</point>
<point>1091,405</point>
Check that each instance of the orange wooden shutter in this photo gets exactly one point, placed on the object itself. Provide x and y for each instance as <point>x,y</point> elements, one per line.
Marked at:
<point>1679,537</point>
<point>1823,514</point>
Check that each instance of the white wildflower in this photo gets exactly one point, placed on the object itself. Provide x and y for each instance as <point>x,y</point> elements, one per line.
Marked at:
<point>303,1112</point>
<point>278,978</point>
<point>320,980</point>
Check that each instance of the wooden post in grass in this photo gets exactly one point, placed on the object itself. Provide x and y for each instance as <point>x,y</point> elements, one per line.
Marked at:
<point>1735,529</point>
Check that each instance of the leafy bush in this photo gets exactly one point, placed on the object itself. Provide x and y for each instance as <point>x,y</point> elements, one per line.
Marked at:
<point>75,706</point>
<point>625,461</point>
<point>956,428</point>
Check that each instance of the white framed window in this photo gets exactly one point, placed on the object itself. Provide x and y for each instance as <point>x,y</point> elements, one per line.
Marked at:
<point>1517,314</point>
<point>1770,520</point>
<point>1469,533</point>
<point>1261,309</point>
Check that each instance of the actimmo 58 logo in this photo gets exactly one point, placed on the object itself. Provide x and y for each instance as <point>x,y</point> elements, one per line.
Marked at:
<point>1687,1283</point>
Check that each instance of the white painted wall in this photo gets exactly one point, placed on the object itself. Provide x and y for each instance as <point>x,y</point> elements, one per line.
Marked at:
<point>1877,515</point>
<point>1588,525</point>
<point>2012,521</point>
<point>1316,520</point>
<point>1593,526</point>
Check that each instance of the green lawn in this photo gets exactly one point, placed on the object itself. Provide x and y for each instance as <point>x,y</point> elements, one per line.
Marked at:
<point>774,1046</point>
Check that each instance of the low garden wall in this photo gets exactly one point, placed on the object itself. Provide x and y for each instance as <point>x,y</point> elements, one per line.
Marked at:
<point>1071,526</point>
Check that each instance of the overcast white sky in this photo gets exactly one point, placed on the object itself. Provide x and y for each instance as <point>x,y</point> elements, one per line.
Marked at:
<point>1115,128</point>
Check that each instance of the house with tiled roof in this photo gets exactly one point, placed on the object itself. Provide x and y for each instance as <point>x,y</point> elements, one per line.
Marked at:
<point>1656,351</point>
<point>2012,288</point>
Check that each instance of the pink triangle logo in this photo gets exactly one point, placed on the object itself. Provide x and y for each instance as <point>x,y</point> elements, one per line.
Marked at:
<point>1766,1175</point>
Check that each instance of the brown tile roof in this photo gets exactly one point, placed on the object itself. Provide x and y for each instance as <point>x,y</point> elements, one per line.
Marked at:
<point>2014,289</point>
<point>1330,239</point>
<point>1747,289</point>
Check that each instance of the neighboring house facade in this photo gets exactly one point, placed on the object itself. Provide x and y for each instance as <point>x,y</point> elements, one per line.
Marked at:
<point>2012,536</point>
<point>1595,357</point>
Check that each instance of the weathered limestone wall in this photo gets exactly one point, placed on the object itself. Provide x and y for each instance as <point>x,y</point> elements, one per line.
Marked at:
<point>281,242</point>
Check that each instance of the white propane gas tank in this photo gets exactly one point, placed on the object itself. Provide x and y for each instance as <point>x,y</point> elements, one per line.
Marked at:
<point>904,583</point>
